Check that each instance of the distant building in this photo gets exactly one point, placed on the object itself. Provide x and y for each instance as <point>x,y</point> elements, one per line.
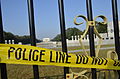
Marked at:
<point>46,39</point>
<point>111,29</point>
<point>108,38</point>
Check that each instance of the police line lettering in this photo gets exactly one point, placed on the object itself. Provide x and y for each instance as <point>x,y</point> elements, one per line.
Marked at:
<point>31,55</point>
<point>36,55</point>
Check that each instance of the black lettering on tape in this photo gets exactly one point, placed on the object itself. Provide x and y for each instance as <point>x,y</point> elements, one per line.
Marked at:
<point>67,58</point>
<point>56,57</point>
<point>51,57</point>
<point>62,57</point>
<point>85,59</point>
<point>79,59</point>
<point>18,53</point>
<point>100,62</point>
<point>119,64</point>
<point>94,61</point>
<point>35,57</point>
<point>24,54</point>
<point>41,54</point>
<point>106,61</point>
<point>116,63</point>
<point>30,54</point>
<point>10,50</point>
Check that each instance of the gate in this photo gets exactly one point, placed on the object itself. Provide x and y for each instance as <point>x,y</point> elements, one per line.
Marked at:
<point>63,35</point>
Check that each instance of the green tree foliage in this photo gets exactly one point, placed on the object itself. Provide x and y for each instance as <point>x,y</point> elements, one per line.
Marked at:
<point>69,32</point>
<point>9,36</point>
<point>72,32</point>
<point>57,38</point>
<point>102,28</point>
<point>24,39</point>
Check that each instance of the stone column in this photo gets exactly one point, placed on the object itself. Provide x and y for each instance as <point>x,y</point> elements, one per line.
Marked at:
<point>87,37</point>
<point>75,38</point>
<point>13,42</point>
<point>9,42</point>
<point>72,38</point>
<point>78,37</point>
<point>5,41</point>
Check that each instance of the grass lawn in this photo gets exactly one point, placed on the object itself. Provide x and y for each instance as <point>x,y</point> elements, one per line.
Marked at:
<point>79,47</point>
<point>26,71</point>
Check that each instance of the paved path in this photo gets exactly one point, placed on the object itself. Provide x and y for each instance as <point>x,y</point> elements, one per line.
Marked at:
<point>72,51</point>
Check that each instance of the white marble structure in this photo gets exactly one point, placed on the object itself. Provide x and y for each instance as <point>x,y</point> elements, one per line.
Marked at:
<point>108,37</point>
<point>9,41</point>
<point>46,39</point>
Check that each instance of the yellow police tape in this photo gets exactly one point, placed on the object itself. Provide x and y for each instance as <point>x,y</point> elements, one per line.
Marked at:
<point>31,55</point>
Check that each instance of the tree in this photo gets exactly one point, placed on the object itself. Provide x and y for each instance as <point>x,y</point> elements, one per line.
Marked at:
<point>57,38</point>
<point>72,32</point>
<point>102,28</point>
<point>24,39</point>
<point>9,36</point>
<point>69,32</point>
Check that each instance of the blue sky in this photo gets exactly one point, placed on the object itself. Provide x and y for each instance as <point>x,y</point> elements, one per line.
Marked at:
<point>15,15</point>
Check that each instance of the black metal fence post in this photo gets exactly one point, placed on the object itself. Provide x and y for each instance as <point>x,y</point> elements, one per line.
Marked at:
<point>116,29</point>
<point>63,34</point>
<point>91,35</point>
<point>32,34</point>
<point>3,69</point>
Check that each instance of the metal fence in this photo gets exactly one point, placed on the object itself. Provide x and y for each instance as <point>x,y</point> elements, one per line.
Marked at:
<point>63,35</point>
